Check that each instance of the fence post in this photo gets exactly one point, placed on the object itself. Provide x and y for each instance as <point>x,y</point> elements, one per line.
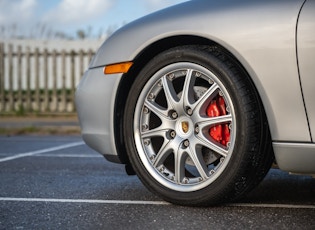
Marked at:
<point>63,74</point>
<point>19,73</point>
<point>54,76</point>
<point>37,66</point>
<point>81,61</point>
<point>2,93</point>
<point>28,80</point>
<point>90,55</point>
<point>72,80</point>
<point>46,94</point>
<point>11,96</point>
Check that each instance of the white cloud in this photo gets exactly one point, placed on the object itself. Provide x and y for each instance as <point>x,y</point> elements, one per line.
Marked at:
<point>17,11</point>
<point>43,18</point>
<point>75,12</point>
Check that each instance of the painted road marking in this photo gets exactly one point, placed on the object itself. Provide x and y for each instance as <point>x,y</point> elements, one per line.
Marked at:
<point>142,202</point>
<point>60,147</point>
<point>84,201</point>
<point>71,155</point>
<point>61,155</point>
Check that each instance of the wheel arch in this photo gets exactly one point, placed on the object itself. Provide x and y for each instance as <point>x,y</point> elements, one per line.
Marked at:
<point>141,60</point>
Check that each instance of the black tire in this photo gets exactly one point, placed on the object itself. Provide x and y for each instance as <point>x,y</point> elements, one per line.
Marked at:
<point>175,150</point>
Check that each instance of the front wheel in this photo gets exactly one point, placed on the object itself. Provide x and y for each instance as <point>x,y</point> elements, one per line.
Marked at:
<point>195,129</point>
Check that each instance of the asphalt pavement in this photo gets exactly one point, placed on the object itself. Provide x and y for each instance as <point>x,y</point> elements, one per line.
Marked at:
<point>57,182</point>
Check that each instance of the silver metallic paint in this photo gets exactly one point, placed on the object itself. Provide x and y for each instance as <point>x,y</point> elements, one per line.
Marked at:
<point>295,157</point>
<point>306,59</point>
<point>260,34</point>
<point>95,98</point>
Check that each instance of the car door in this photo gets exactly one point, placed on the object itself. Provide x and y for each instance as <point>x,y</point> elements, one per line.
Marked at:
<point>306,59</point>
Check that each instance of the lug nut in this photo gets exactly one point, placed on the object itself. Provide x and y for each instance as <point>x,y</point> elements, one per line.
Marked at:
<point>146,142</point>
<point>189,111</point>
<point>151,96</point>
<point>174,115</point>
<point>186,143</point>
<point>146,110</point>
<point>171,76</point>
<point>197,129</point>
<point>173,134</point>
<point>145,127</point>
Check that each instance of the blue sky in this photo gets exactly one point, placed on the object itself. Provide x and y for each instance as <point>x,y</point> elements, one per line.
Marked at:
<point>38,17</point>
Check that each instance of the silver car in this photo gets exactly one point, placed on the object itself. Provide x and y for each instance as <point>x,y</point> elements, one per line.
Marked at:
<point>200,99</point>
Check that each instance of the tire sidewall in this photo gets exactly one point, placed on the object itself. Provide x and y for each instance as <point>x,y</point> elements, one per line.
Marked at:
<point>222,188</point>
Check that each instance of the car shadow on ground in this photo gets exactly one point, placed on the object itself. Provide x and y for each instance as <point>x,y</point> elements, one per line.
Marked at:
<point>281,187</point>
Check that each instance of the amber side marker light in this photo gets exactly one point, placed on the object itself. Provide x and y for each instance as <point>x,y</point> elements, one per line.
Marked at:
<point>117,68</point>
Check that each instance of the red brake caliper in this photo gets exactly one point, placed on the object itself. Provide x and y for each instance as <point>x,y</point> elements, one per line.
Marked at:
<point>219,133</point>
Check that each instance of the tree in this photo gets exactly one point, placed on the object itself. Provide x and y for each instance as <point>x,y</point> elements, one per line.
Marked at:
<point>81,34</point>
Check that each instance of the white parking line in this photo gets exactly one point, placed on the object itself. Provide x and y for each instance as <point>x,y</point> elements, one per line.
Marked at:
<point>142,202</point>
<point>42,151</point>
<point>71,155</point>
<point>62,155</point>
<point>84,201</point>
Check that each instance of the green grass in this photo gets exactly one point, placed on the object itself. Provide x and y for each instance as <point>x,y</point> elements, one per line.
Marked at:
<point>41,92</point>
<point>31,130</point>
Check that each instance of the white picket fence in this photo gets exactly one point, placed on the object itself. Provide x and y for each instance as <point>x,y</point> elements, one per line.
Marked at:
<point>40,80</point>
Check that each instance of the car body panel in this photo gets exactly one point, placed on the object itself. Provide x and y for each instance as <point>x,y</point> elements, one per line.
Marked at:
<point>260,34</point>
<point>300,157</point>
<point>262,37</point>
<point>306,59</point>
<point>295,157</point>
<point>95,116</point>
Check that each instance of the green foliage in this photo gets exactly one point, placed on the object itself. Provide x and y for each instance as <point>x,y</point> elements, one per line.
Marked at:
<point>20,111</point>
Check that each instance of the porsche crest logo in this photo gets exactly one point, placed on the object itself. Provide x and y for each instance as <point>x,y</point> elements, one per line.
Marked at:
<point>185,126</point>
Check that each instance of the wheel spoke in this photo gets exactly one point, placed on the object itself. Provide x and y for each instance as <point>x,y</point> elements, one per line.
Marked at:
<point>197,158</point>
<point>204,141</point>
<point>207,122</point>
<point>170,93</point>
<point>188,89</point>
<point>157,132</point>
<point>205,99</point>
<point>180,159</point>
<point>165,150</point>
<point>157,109</point>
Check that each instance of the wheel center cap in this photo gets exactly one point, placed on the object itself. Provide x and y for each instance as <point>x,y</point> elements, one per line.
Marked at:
<point>184,127</point>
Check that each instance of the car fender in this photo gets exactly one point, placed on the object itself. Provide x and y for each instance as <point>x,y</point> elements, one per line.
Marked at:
<point>260,34</point>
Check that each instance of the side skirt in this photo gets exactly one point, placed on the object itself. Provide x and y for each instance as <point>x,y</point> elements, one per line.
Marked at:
<point>295,157</point>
